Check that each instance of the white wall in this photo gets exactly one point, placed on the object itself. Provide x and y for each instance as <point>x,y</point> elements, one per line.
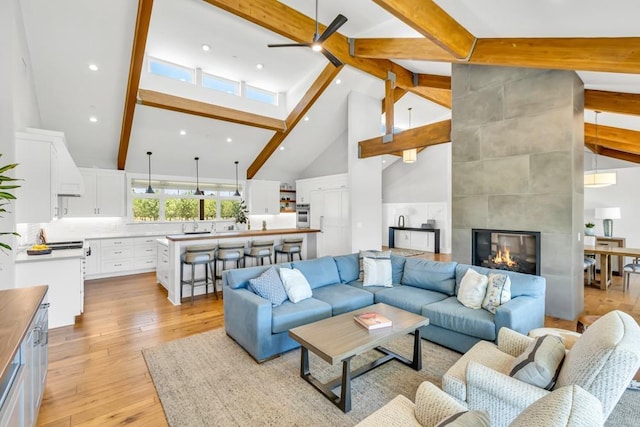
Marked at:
<point>622,195</point>
<point>331,161</point>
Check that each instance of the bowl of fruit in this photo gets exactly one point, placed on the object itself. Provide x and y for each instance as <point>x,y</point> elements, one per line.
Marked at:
<point>39,250</point>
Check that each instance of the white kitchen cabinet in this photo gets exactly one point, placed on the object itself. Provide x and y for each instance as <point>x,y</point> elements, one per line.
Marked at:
<point>104,195</point>
<point>92,262</point>
<point>37,198</point>
<point>304,187</point>
<point>121,256</point>
<point>330,214</point>
<point>264,197</point>
<point>163,269</point>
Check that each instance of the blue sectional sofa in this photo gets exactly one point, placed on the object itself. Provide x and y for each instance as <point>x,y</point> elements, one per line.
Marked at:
<point>420,286</point>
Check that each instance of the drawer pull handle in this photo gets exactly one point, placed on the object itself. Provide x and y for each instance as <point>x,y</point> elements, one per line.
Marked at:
<point>117,265</point>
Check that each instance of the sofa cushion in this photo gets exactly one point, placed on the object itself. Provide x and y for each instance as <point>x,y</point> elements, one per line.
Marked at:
<point>348,267</point>
<point>371,289</point>
<point>430,275</point>
<point>269,286</point>
<point>319,271</point>
<point>397,268</point>
<point>289,315</point>
<point>450,314</point>
<point>343,298</point>
<point>521,284</point>
<point>239,277</point>
<point>295,284</point>
<point>408,298</point>
<point>377,272</point>
<point>472,289</point>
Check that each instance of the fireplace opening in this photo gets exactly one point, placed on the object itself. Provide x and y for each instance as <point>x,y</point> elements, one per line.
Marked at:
<point>506,250</point>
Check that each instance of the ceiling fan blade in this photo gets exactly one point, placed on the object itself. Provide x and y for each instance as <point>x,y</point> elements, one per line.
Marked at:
<point>335,61</point>
<point>332,28</point>
<point>290,45</point>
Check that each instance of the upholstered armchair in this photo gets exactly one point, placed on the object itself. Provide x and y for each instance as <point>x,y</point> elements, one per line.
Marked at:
<point>569,406</point>
<point>602,361</point>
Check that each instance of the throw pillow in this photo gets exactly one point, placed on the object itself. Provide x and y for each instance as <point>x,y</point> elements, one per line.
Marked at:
<point>466,419</point>
<point>371,254</point>
<point>472,289</point>
<point>540,363</point>
<point>498,292</point>
<point>269,286</point>
<point>377,272</point>
<point>295,284</point>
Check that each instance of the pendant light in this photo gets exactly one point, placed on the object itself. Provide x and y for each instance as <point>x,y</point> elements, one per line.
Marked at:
<point>149,189</point>
<point>595,179</point>
<point>198,192</point>
<point>237,193</point>
<point>409,156</point>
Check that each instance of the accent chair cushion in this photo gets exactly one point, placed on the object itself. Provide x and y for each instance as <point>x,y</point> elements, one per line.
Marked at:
<point>472,289</point>
<point>269,286</point>
<point>466,419</point>
<point>498,292</point>
<point>377,272</point>
<point>540,364</point>
<point>295,284</point>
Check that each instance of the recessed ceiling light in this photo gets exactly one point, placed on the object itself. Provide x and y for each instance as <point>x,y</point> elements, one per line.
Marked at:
<point>93,119</point>
<point>281,148</point>
<point>229,139</point>
<point>259,66</point>
<point>206,47</point>
<point>338,81</point>
<point>306,118</point>
<point>93,67</point>
<point>384,161</point>
<point>183,132</point>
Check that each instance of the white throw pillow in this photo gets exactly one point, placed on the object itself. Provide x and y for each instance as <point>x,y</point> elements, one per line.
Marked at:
<point>295,284</point>
<point>472,289</point>
<point>498,292</point>
<point>377,272</point>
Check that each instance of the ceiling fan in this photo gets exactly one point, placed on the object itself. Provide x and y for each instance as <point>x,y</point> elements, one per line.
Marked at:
<point>316,44</point>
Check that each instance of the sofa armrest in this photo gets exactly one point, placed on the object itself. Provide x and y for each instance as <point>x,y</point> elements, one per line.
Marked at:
<point>433,405</point>
<point>512,342</point>
<point>397,413</point>
<point>503,397</point>
<point>521,314</point>
<point>247,319</point>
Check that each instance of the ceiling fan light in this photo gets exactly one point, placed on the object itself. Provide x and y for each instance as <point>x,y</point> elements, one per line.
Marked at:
<point>316,47</point>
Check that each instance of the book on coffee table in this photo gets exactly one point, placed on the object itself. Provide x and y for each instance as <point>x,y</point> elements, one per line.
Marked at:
<point>372,320</point>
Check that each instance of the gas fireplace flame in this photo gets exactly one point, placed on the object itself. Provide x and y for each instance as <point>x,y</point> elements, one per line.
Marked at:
<point>503,257</point>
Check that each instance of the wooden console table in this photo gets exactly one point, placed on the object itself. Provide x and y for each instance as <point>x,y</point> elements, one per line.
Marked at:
<point>435,231</point>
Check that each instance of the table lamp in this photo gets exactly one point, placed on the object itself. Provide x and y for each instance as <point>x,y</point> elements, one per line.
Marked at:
<point>608,215</point>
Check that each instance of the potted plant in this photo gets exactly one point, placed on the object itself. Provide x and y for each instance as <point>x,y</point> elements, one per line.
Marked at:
<point>4,195</point>
<point>240,213</point>
<point>589,229</point>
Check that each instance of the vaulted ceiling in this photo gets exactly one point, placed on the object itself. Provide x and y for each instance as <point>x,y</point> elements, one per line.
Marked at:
<point>417,41</point>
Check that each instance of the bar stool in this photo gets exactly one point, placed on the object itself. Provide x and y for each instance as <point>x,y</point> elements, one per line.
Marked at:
<point>230,251</point>
<point>199,255</point>
<point>259,250</point>
<point>289,247</point>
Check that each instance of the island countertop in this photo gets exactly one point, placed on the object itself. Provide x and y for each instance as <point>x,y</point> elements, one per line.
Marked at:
<point>236,234</point>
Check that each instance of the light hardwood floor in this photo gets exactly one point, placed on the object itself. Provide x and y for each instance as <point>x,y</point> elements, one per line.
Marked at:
<point>98,376</point>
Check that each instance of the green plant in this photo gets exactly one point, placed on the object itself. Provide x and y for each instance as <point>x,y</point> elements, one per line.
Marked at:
<point>589,225</point>
<point>5,195</point>
<point>240,212</point>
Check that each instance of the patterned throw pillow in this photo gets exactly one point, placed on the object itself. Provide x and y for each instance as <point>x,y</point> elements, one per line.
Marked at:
<point>540,363</point>
<point>377,272</point>
<point>269,286</point>
<point>372,254</point>
<point>498,292</point>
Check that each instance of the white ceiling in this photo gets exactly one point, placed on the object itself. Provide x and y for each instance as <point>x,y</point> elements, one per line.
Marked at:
<point>66,35</point>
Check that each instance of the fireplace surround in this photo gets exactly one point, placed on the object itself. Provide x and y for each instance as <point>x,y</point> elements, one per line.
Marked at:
<point>506,250</point>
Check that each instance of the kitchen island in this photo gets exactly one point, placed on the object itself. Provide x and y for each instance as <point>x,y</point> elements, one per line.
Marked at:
<point>178,242</point>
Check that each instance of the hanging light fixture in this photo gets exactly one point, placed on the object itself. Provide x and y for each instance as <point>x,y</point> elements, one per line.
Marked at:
<point>237,193</point>
<point>409,156</point>
<point>198,192</point>
<point>149,189</point>
<point>595,179</point>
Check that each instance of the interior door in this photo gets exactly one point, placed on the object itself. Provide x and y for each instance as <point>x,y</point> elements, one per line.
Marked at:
<point>329,213</point>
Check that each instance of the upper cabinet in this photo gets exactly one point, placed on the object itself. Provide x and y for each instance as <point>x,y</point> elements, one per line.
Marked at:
<point>37,197</point>
<point>263,197</point>
<point>104,195</point>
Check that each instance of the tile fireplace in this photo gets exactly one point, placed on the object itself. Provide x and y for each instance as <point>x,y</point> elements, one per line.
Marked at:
<point>506,250</point>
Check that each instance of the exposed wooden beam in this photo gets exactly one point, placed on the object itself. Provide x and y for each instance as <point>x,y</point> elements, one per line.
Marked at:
<point>427,18</point>
<point>620,155</point>
<point>434,81</point>
<point>197,108</point>
<point>281,19</point>
<point>397,94</point>
<point>319,85</point>
<point>401,48</point>
<point>627,147</point>
<point>135,68</point>
<point>423,136</point>
<point>613,102</point>
<point>439,96</point>
<point>388,107</point>
<point>614,138</point>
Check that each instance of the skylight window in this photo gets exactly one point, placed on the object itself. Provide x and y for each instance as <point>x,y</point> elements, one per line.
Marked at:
<point>261,95</point>
<point>172,71</point>
<point>220,84</point>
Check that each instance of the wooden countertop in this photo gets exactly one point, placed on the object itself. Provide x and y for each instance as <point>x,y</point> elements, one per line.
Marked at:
<point>18,307</point>
<point>236,234</point>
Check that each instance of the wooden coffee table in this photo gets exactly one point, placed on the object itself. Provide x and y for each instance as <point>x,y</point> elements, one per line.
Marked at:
<point>340,338</point>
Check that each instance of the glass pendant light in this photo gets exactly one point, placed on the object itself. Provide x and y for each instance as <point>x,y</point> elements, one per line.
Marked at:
<point>149,189</point>
<point>198,192</point>
<point>237,193</point>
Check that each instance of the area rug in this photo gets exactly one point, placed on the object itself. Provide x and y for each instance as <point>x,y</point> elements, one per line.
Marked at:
<point>208,380</point>
<point>406,252</point>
